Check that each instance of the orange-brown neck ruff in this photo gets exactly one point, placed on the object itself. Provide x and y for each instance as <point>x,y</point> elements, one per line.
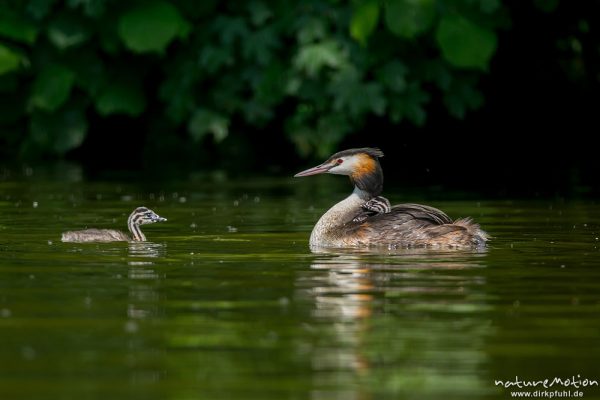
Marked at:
<point>367,175</point>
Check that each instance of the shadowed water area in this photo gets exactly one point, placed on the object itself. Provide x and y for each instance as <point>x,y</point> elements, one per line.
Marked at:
<point>226,300</point>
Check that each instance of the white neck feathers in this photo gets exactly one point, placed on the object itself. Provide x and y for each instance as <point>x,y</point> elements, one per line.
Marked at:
<point>343,212</point>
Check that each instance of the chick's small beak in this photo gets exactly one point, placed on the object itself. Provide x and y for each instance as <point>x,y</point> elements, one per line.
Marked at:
<point>158,218</point>
<point>319,169</point>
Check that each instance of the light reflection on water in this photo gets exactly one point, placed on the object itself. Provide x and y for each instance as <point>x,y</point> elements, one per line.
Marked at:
<point>364,296</point>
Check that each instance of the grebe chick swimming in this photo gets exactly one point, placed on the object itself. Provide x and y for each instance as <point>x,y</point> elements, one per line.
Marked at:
<point>366,219</point>
<point>139,216</point>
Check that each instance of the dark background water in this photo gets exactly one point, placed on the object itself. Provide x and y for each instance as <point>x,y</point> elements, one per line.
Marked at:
<point>226,300</point>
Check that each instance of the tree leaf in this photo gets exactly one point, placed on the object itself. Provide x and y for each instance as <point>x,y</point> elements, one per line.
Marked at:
<point>461,97</point>
<point>38,9</point>
<point>197,10</point>
<point>547,5</point>
<point>230,29</point>
<point>9,60</point>
<point>393,76</point>
<point>311,30</point>
<point>214,58</point>
<point>67,31</point>
<point>260,45</point>
<point>177,91</point>
<point>206,121</point>
<point>314,57</point>
<point>269,87</point>
<point>90,72</point>
<point>355,97</point>
<point>151,26</point>
<point>91,8</point>
<point>52,87</point>
<point>323,138</point>
<point>259,12</point>
<point>465,44</point>
<point>409,18</point>
<point>16,28</point>
<point>59,131</point>
<point>121,98</point>
<point>490,6</point>
<point>364,21</point>
<point>409,104</point>
<point>331,129</point>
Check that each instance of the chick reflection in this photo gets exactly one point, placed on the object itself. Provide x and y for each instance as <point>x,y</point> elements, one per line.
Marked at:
<point>143,297</point>
<point>141,251</point>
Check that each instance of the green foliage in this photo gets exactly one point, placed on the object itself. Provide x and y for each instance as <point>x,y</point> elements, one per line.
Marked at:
<point>461,97</point>
<point>364,21</point>
<point>59,131</point>
<point>39,9</point>
<point>207,121</point>
<point>214,71</point>
<point>67,30</point>
<point>120,98</point>
<point>409,18</point>
<point>354,96</point>
<point>9,60</point>
<point>52,87</point>
<point>312,58</point>
<point>491,6</point>
<point>152,26</point>
<point>465,44</point>
<point>17,28</point>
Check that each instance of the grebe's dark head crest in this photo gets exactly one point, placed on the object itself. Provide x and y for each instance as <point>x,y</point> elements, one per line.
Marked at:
<point>361,165</point>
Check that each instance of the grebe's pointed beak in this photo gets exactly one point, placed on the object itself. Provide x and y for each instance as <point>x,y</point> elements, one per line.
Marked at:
<point>158,218</point>
<point>319,169</point>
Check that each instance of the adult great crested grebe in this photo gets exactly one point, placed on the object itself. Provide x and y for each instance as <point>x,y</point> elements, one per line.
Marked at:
<point>139,216</point>
<point>366,219</point>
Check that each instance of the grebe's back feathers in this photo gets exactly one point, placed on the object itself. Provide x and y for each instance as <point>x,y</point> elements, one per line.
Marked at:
<point>95,235</point>
<point>423,213</point>
<point>408,225</point>
<point>402,217</point>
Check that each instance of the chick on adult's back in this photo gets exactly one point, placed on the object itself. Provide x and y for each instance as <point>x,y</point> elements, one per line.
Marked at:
<point>139,216</point>
<point>366,219</point>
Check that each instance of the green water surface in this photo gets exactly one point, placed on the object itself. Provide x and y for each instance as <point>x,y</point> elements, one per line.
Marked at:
<point>227,301</point>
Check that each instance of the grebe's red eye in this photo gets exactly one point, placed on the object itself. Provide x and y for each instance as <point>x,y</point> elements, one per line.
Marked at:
<point>339,161</point>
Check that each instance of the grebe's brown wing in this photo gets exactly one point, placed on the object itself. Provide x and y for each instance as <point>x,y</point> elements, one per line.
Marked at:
<point>420,212</point>
<point>416,214</point>
<point>404,221</point>
<point>416,225</point>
